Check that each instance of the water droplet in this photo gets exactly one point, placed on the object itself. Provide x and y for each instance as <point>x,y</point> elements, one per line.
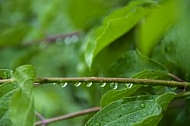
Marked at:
<point>43,44</point>
<point>143,114</point>
<point>68,40</point>
<point>114,86</point>
<point>103,84</point>
<point>89,84</point>
<point>97,124</point>
<point>64,84</point>
<point>129,85</point>
<point>77,84</point>
<point>125,120</point>
<point>129,108</point>
<point>173,88</point>
<point>143,105</point>
<point>123,108</point>
<point>74,38</point>
<point>149,106</point>
<point>59,41</point>
<point>54,83</point>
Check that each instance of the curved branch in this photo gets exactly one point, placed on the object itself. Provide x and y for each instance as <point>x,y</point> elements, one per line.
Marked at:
<point>71,115</point>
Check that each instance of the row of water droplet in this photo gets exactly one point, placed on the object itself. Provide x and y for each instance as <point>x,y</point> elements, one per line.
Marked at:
<point>113,85</point>
<point>89,84</point>
<point>68,40</point>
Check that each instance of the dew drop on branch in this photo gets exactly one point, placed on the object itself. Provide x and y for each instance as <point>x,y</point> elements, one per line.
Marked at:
<point>114,86</point>
<point>103,84</point>
<point>77,84</point>
<point>63,84</point>
<point>68,40</point>
<point>89,84</point>
<point>129,85</point>
<point>74,38</point>
<point>59,41</point>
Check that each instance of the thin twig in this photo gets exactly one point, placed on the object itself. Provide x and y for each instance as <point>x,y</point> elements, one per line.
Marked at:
<point>175,77</point>
<point>43,120</point>
<point>6,81</point>
<point>52,39</point>
<point>115,80</point>
<point>71,115</point>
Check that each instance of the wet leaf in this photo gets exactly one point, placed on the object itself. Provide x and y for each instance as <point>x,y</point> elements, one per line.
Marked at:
<point>114,95</point>
<point>144,110</point>
<point>132,63</point>
<point>6,92</point>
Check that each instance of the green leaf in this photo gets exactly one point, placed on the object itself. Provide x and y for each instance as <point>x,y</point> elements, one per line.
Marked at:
<point>114,95</point>
<point>22,103</point>
<point>87,11</point>
<point>111,53</point>
<point>155,25</point>
<point>144,110</point>
<point>136,65</point>
<point>132,63</point>
<point>5,74</point>
<point>6,92</point>
<point>114,26</point>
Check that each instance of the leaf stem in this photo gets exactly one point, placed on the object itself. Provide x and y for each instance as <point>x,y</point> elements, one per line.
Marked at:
<point>40,81</point>
<point>6,81</point>
<point>43,120</point>
<point>175,77</point>
<point>67,116</point>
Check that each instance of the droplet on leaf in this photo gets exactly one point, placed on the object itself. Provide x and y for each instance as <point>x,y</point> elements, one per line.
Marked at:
<point>143,105</point>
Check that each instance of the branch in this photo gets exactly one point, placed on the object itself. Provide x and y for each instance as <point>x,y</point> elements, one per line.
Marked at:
<point>71,115</point>
<point>52,39</point>
<point>6,81</point>
<point>175,77</point>
<point>137,81</point>
<point>40,81</point>
<point>43,120</point>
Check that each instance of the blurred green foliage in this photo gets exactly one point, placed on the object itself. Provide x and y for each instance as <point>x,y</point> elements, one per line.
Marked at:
<point>160,32</point>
